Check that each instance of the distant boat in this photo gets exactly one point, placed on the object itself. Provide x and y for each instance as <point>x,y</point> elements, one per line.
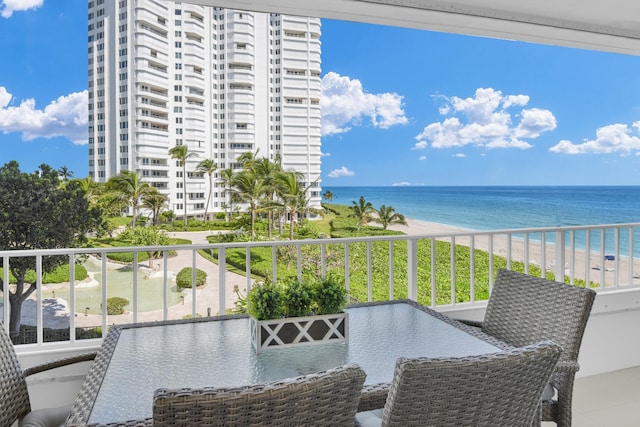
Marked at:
<point>609,257</point>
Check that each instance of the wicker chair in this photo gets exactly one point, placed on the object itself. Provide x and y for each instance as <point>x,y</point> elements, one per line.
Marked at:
<point>498,389</point>
<point>14,395</point>
<point>328,398</point>
<point>525,309</point>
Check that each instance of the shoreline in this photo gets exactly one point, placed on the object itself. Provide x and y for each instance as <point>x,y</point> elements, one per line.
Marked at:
<point>597,270</point>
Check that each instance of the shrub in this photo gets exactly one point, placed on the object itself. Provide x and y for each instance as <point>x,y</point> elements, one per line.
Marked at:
<point>190,316</point>
<point>329,295</point>
<point>297,298</point>
<point>183,279</point>
<point>265,301</point>
<point>307,231</point>
<point>126,257</point>
<point>115,305</point>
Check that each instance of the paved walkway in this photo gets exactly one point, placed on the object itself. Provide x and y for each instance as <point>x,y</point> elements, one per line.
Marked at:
<point>56,312</point>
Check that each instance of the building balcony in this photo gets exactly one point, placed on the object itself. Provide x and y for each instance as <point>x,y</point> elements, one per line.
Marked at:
<point>195,49</point>
<point>600,255</point>
<point>240,76</point>
<point>145,42</point>
<point>240,96</point>
<point>193,26</point>
<point>153,7</point>
<point>194,79</point>
<point>240,56</point>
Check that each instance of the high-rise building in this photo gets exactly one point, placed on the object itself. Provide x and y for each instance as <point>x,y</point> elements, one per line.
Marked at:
<point>221,82</point>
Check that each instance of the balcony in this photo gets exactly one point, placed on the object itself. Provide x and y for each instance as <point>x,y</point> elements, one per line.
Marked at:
<point>610,353</point>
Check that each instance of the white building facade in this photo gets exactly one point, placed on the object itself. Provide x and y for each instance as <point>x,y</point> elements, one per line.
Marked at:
<point>221,82</point>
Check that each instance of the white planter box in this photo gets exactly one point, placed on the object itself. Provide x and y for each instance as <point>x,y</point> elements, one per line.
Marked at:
<point>296,331</point>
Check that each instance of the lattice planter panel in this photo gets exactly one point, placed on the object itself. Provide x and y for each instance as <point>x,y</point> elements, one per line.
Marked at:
<point>297,331</point>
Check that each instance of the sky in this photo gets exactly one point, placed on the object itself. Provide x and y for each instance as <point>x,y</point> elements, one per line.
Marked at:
<point>399,106</point>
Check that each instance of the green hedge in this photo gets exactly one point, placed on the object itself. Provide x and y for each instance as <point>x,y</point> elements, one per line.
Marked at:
<point>59,275</point>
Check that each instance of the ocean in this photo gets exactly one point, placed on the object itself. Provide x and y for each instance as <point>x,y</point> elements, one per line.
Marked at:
<point>505,207</point>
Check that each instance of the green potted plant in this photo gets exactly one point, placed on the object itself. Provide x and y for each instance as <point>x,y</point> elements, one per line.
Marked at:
<point>293,313</point>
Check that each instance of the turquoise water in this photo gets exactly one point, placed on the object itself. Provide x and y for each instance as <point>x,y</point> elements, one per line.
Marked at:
<point>503,207</point>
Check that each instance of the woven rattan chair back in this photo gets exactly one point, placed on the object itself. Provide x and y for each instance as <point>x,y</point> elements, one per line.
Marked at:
<point>14,395</point>
<point>498,389</point>
<point>325,399</point>
<point>525,309</point>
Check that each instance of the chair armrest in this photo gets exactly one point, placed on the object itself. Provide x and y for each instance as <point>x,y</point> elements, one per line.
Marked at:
<point>567,367</point>
<point>374,396</point>
<point>474,323</point>
<point>85,357</point>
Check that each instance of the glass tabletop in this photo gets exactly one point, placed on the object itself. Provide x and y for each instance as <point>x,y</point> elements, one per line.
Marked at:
<point>220,354</point>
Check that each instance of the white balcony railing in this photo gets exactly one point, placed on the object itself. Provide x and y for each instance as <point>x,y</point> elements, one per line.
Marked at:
<point>599,255</point>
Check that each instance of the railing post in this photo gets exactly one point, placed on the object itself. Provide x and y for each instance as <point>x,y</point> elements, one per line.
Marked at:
<point>5,295</point>
<point>412,269</point>
<point>222,270</point>
<point>560,245</point>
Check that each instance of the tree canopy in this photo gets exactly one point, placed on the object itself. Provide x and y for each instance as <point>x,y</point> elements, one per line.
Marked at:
<point>37,213</point>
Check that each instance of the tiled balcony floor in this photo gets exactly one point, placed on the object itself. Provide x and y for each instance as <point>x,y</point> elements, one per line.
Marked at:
<point>607,400</point>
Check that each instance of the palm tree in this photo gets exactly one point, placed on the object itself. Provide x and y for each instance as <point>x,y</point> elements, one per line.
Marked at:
<point>362,210</point>
<point>65,173</point>
<point>207,166</point>
<point>130,187</point>
<point>249,187</point>
<point>154,201</point>
<point>267,171</point>
<point>303,207</point>
<point>247,158</point>
<point>288,183</point>
<point>328,196</point>
<point>226,176</point>
<point>387,216</point>
<point>167,216</point>
<point>91,189</point>
<point>181,152</point>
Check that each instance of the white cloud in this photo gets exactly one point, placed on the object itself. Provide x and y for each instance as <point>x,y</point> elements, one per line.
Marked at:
<point>11,6</point>
<point>401,184</point>
<point>460,155</point>
<point>344,103</point>
<point>420,145</point>
<point>5,97</point>
<point>343,171</point>
<point>66,116</point>
<point>325,154</point>
<point>616,138</point>
<point>422,158</point>
<point>534,122</point>
<point>519,100</point>
<point>484,120</point>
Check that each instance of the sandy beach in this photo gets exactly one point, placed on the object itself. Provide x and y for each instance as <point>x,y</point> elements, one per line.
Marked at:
<point>597,269</point>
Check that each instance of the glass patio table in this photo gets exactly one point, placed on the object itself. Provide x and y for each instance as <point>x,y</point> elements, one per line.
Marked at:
<point>135,360</point>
